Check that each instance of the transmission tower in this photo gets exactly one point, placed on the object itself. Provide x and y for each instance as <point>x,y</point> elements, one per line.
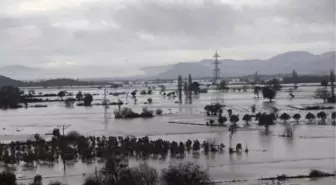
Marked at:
<point>216,95</point>
<point>216,69</point>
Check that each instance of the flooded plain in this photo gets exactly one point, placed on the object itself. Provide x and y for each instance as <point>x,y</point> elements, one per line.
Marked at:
<point>312,147</point>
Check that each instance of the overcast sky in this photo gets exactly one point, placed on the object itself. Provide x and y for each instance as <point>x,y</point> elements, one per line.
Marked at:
<point>136,33</point>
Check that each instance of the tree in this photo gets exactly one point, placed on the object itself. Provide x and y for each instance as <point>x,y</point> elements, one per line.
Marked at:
<point>234,119</point>
<point>79,95</point>
<point>150,100</point>
<point>88,98</point>
<point>195,87</point>
<point>268,93</point>
<point>185,174</point>
<point>297,117</point>
<point>322,93</point>
<point>275,84</point>
<point>333,117</point>
<point>247,118</point>
<point>61,94</point>
<point>9,97</point>
<point>222,120</point>
<point>7,178</point>
<point>285,117</point>
<point>310,117</point>
<point>322,115</point>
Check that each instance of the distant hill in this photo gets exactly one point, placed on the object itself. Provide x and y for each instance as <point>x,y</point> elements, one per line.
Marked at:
<point>47,83</point>
<point>303,62</point>
<point>8,81</point>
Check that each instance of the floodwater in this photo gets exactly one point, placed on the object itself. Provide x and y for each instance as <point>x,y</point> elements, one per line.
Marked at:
<point>313,146</point>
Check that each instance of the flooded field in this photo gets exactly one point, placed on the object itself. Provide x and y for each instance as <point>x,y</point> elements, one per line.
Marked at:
<point>312,147</point>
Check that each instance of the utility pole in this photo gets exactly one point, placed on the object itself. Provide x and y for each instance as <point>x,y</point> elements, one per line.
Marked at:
<point>63,127</point>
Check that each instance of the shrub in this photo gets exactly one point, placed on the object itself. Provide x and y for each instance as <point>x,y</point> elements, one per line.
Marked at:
<point>185,173</point>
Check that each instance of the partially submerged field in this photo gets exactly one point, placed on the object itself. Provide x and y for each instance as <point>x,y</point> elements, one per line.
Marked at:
<point>312,146</point>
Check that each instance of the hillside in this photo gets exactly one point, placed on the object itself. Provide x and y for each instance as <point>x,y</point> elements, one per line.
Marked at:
<point>303,62</point>
<point>47,83</point>
<point>8,81</point>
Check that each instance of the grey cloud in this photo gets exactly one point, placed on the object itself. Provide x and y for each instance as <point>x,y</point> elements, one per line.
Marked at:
<point>113,31</point>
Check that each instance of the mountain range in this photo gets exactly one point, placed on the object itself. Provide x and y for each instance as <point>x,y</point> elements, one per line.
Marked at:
<point>301,61</point>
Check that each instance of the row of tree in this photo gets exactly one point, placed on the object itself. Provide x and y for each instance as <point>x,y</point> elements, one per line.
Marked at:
<point>74,146</point>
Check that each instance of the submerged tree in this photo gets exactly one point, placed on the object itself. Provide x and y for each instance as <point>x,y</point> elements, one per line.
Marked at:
<point>310,117</point>
<point>247,118</point>
<point>268,93</point>
<point>88,98</point>
<point>61,94</point>
<point>285,117</point>
<point>297,117</point>
<point>179,87</point>
<point>322,116</point>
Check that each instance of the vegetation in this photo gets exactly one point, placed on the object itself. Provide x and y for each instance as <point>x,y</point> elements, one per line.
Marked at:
<point>88,98</point>
<point>268,93</point>
<point>322,116</point>
<point>310,117</point>
<point>158,111</point>
<point>186,174</point>
<point>125,113</point>
<point>333,117</point>
<point>213,109</point>
<point>222,120</point>
<point>7,178</point>
<point>297,117</point>
<point>247,118</point>
<point>74,146</point>
<point>265,119</point>
<point>223,86</point>
<point>285,117</point>
<point>9,97</point>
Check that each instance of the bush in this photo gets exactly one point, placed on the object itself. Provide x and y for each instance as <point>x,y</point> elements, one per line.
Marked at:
<point>158,111</point>
<point>185,173</point>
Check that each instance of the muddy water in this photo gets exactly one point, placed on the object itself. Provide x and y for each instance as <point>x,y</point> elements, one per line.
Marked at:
<point>270,155</point>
